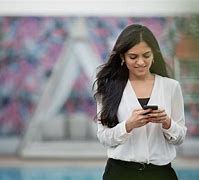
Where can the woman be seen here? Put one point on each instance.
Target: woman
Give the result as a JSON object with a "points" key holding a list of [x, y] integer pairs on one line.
{"points": [[141, 142]]}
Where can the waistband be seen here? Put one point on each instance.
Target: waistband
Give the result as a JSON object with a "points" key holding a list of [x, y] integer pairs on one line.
{"points": [[137, 165]]}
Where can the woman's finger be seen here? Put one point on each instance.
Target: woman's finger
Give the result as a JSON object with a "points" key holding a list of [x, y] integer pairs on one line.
{"points": [[145, 112], [158, 120]]}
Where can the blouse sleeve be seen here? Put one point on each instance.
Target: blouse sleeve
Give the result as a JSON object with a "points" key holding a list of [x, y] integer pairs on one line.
{"points": [[176, 133], [111, 136]]}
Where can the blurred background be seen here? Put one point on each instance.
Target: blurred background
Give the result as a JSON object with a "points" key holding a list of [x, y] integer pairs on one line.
{"points": [[49, 51]]}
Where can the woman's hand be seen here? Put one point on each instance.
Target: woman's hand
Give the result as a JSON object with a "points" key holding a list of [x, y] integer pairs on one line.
{"points": [[138, 118], [160, 116]]}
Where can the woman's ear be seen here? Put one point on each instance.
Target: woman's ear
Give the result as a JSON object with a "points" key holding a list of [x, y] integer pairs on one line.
{"points": [[122, 58]]}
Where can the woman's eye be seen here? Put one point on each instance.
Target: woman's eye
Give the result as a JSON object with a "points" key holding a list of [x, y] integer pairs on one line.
{"points": [[132, 58], [148, 56]]}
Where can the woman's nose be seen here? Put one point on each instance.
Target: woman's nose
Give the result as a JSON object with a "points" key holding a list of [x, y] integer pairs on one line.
{"points": [[140, 61]]}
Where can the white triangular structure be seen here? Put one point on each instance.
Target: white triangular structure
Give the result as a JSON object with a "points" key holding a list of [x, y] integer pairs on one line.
{"points": [[76, 52]]}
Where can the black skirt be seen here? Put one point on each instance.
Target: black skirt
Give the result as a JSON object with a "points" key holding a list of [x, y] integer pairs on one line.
{"points": [[124, 170]]}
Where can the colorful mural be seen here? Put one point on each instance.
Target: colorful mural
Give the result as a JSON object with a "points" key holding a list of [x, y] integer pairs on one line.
{"points": [[31, 46]]}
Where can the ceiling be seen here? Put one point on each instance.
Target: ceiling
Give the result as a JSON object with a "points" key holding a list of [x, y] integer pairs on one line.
{"points": [[98, 7]]}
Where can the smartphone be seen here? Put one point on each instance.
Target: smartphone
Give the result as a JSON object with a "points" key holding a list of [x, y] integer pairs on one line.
{"points": [[153, 107]]}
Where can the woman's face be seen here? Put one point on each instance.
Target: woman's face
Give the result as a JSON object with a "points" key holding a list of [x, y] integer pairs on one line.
{"points": [[138, 59]]}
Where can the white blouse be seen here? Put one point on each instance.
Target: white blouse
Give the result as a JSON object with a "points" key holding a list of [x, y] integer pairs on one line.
{"points": [[150, 143]]}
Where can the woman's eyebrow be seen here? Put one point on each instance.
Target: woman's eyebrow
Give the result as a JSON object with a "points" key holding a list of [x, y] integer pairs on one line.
{"points": [[134, 54], [147, 52]]}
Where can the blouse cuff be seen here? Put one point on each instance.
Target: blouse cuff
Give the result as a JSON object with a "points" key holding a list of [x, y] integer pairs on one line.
{"points": [[171, 132]]}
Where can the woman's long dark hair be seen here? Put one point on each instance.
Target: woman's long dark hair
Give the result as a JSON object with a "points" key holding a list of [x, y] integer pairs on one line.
{"points": [[111, 78]]}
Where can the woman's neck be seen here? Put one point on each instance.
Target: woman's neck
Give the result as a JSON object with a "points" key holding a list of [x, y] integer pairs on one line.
{"points": [[141, 78]]}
